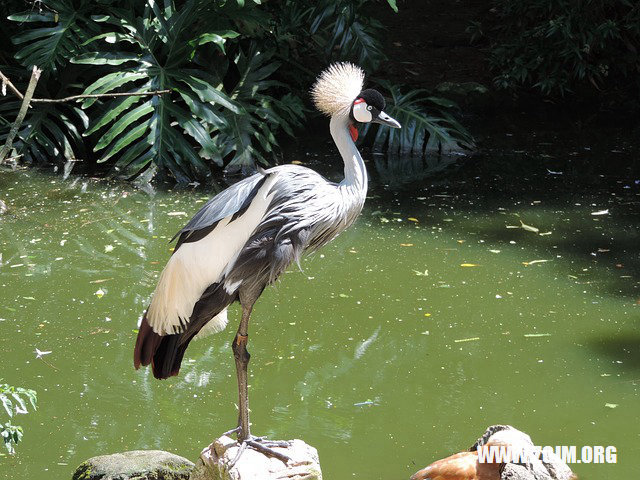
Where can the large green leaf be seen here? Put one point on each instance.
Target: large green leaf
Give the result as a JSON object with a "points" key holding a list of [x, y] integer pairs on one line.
{"points": [[50, 47], [245, 136], [171, 131]]}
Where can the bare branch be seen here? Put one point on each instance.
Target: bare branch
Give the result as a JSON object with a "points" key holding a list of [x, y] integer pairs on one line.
{"points": [[97, 95], [12, 87], [35, 76]]}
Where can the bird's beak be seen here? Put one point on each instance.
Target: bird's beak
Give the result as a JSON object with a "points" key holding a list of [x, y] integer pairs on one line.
{"points": [[384, 119]]}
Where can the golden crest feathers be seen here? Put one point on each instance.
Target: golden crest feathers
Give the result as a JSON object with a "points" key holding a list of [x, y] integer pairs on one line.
{"points": [[337, 87]]}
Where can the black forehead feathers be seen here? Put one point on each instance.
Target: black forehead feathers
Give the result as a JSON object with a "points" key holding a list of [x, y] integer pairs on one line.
{"points": [[373, 98]]}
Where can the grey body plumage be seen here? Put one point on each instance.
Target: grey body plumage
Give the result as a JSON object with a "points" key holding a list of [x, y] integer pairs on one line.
{"points": [[246, 236], [305, 213], [303, 200]]}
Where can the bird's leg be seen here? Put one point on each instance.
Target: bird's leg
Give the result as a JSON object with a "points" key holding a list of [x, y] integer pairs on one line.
{"points": [[242, 357]]}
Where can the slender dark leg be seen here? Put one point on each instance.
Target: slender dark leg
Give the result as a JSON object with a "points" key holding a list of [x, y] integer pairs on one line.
{"points": [[242, 357]]}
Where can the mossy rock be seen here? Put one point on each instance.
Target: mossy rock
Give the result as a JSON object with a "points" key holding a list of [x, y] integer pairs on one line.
{"points": [[135, 465]]}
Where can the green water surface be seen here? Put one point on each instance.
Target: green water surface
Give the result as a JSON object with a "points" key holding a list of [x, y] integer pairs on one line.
{"points": [[397, 344]]}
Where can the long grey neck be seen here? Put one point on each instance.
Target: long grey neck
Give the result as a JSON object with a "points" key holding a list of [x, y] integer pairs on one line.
{"points": [[355, 173]]}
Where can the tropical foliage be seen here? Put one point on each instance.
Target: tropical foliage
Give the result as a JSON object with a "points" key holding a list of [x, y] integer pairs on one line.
{"points": [[14, 400], [564, 46], [220, 81]]}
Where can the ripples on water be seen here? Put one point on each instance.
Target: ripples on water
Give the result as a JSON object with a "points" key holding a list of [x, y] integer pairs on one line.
{"points": [[396, 345]]}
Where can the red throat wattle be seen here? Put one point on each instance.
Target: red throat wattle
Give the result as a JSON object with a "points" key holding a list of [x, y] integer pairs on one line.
{"points": [[353, 131]]}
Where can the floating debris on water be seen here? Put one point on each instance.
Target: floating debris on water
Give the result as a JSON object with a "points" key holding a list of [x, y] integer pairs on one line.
{"points": [[366, 403], [40, 353], [472, 339], [533, 262], [529, 228]]}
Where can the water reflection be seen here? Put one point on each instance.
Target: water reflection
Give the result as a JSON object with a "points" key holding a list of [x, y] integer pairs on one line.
{"points": [[397, 171], [412, 332]]}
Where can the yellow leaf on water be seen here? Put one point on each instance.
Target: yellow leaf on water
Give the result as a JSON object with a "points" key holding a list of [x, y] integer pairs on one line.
{"points": [[469, 265], [411, 219], [533, 262], [529, 228], [472, 339]]}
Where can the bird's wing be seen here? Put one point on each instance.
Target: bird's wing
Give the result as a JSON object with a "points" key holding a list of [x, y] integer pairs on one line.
{"points": [[231, 201], [461, 466], [206, 246]]}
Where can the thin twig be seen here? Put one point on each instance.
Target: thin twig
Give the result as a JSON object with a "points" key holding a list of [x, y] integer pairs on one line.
{"points": [[47, 363], [35, 76], [269, 452], [12, 87], [98, 95]]}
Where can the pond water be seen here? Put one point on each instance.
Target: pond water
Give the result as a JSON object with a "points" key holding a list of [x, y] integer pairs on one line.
{"points": [[397, 344]]}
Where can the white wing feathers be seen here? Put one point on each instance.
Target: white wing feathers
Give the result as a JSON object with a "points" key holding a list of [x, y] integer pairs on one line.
{"points": [[196, 265]]}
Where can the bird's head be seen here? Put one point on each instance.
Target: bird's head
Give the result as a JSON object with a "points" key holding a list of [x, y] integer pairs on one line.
{"points": [[338, 91]]}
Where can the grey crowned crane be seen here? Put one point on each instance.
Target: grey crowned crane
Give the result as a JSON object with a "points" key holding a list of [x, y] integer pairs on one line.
{"points": [[247, 235]]}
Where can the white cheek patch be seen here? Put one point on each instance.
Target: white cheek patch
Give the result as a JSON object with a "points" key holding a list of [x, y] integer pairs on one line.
{"points": [[360, 112]]}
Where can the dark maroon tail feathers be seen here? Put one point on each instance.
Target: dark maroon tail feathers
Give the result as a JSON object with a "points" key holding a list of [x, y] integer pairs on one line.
{"points": [[146, 344], [163, 352]]}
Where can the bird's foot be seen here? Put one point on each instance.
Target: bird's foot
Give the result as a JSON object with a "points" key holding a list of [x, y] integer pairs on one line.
{"points": [[263, 446]]}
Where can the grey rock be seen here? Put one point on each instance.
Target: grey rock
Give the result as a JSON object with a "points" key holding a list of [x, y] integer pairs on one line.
{"points": [[135, 465], [252, 465]]}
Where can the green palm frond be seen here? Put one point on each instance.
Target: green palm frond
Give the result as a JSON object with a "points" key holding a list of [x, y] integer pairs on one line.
{"points": [[341, 27], [59, 34], [246, 135], [168, 131]]}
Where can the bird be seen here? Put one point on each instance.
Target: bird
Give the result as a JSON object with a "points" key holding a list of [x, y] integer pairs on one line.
{"points": [[499, 446], [243, 238], [460, 466], [465, 465]]}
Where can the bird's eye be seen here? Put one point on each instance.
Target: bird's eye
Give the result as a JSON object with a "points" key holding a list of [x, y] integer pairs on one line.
{"points": [[369, 107]]}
